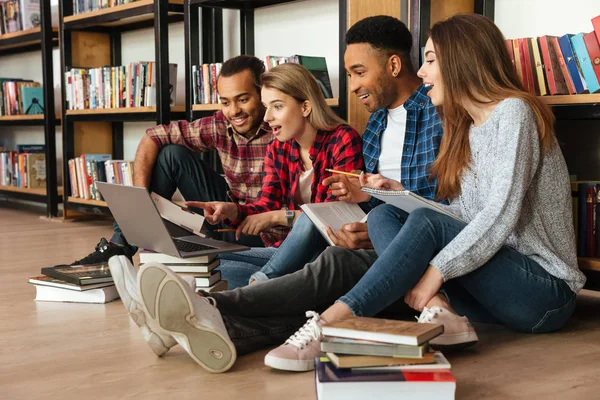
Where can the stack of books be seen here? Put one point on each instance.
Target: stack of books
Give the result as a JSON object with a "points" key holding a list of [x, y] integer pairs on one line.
{"points": [[382, 359], [202, 268], [76, 284]]}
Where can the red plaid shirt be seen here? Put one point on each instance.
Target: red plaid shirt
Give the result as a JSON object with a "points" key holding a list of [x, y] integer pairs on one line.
{"points": [[242, 158], [339, 149]]}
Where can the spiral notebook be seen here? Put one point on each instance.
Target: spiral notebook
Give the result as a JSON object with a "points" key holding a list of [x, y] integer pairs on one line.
{"points": [[406, 200]]}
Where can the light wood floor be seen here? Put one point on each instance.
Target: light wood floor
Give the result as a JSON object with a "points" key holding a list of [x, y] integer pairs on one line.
{"points": [[78, 351]]}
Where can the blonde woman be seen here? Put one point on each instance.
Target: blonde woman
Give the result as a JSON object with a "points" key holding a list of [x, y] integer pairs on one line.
{"points": [[310, 139]]}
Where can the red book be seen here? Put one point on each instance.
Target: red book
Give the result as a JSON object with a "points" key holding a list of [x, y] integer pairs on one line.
{"points": [[562, 63], [518, 62], [596, 25], [593, 48], [527, 64], [554, 77]]}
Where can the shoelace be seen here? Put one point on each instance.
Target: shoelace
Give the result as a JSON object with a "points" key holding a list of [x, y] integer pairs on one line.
{"points": [[309, 332], [428, 314]]}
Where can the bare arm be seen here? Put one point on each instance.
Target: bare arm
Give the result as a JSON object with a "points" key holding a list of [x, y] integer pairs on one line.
{"points": [[145, 157]]}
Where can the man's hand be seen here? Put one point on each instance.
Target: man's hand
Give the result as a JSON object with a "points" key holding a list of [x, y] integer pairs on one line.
{"points": [[428, 286], [346, 188], [255, 224], [351, 236], [216, 211], [379, 181]]}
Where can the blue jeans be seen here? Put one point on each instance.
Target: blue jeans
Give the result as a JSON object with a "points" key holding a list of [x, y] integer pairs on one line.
{"points": [[236, 268], [510, 289], [303, 244]]}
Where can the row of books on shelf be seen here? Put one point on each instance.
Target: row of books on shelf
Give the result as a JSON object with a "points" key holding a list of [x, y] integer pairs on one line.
{"points": [[83, 6], [19, 15], [20, 96], [24, 168], [132, 85], [554, 65], [382, 359], [94, 283], [316, 65], [586, 217], [87, 169]]}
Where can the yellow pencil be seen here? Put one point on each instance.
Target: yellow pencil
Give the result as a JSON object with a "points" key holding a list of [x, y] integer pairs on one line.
{"points": [[335, 171], [225, 230]]}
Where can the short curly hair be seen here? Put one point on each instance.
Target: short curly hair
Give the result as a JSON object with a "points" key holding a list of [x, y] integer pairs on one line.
{"points": [[385, 33], [241, 63]]}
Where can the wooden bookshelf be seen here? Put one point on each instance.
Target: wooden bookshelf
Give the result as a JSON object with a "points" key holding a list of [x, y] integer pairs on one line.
{"points": [[588, 263], [571, 99], [27, 38], [216, 107], [124, 110], [37, 192], [97, 203], [35, 117]]}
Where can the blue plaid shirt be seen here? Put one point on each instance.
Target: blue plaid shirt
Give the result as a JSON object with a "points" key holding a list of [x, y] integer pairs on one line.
{"points": [[421, 144]]}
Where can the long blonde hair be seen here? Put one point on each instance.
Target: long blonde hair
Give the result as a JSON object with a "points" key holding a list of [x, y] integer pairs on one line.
{"points": [[473, 61], [297, 82]]}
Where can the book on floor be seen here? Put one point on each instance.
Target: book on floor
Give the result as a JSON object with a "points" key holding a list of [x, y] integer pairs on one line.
{"points": [[98, 295], [147, 256], [44, 280], [370, 348], [354, 361], [205, 280], [193, 267], [219, 286], [383, 330], [344, 383], [406, 200], [333, 214], [81, 275], [439, 363]]}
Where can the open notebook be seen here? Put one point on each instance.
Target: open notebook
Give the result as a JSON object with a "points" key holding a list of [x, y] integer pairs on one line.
{"points": [[406, 200]]}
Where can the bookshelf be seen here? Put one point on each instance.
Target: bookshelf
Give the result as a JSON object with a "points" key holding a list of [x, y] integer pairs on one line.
{"points": [[41, 39], [91, 40]]}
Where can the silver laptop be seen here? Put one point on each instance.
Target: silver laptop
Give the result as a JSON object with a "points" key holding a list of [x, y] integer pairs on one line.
{"points": [[143, 226]]}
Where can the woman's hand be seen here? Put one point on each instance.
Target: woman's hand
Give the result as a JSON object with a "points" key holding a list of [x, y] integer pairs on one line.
{"points": [[255, 224], [379, 181], [346, 188], [428, 286], [216, 211]]}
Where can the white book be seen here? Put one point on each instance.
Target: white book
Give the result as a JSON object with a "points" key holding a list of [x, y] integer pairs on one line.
{"points": [[195, 268], [406, 200], [100, 295], [147, 256], [178, 215], [203, 282], [333, 214], [30, 14]]}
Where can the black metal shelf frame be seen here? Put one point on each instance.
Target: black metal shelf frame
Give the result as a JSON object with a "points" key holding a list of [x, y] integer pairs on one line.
{"points": [[160, 10], [48, 39]]}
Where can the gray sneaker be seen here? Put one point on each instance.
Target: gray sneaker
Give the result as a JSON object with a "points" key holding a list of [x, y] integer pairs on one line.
{"points": [[299, 351], [174, 309], [125, 278]]}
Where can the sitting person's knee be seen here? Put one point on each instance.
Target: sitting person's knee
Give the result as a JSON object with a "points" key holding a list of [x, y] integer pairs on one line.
{"points": [[172, 153]]}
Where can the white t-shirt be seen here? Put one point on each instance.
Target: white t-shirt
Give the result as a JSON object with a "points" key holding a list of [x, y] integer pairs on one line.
{"points": [[392, 144], [304, 190]]}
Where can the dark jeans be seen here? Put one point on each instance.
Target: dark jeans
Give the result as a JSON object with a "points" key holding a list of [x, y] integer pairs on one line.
{"points": [[178, 167], [268, 312], [510, 289]]}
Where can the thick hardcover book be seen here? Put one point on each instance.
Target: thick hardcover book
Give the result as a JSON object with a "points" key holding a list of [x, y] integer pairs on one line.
{"points": [[384, 330], [98, 295], [345, 383], [358, 361], [405, 200], [196, 268], [205, 280], [81, 275], [584, 63], [567, 52], [554, 76], [333, 214], [562, 63], [370, 348], [36, 170], [147, 256], [44, 280], [593, 48], [596, 25], [527, 65], [538, 68]]}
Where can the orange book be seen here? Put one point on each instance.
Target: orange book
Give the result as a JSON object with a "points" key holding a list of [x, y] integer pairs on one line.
{"points": [[562, 63], [356, 361], [518, 61], [596, 25], [554, 77]]}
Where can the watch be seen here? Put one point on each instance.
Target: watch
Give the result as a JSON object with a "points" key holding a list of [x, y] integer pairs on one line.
{"points": [[289, 215]]}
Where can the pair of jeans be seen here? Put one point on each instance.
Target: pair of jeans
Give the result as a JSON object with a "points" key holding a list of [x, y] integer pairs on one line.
{"points": [[236, 268], [510, 289], [178, 167], [302, 245], [268, 312]]}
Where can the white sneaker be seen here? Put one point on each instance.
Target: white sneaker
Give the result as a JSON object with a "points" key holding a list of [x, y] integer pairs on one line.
{"points": [[125, 278], [458, 331], [174, 309], [299, 351]]}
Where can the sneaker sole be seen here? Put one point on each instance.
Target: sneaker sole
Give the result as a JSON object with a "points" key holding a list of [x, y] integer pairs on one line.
{"points": [[166, 301], [289, 365], [456, 341], [135, 310]]}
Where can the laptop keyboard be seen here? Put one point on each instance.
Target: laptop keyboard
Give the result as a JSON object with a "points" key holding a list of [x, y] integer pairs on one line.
{"points": [[188, 247]]}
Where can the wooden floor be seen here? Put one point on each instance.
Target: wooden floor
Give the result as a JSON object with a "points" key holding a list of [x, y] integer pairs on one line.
{"points": [[78, 351]]}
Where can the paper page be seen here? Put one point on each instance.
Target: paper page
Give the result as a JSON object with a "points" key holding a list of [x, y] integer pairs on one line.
{"points": [[334, 214]]}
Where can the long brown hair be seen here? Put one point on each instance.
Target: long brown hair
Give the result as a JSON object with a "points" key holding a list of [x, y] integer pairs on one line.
{"points": [[297, 82], [474, 64]]}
